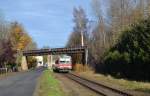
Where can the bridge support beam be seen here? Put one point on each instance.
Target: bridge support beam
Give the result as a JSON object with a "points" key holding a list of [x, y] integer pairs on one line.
{"points": [[24, 64], [86, 56], [49, 61]]}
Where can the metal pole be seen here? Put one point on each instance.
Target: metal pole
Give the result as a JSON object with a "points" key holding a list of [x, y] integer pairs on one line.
{"points": [[86, 56], [51, 60], [82, 43]]}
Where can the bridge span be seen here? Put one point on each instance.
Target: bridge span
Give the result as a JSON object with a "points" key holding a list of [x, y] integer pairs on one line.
{"points": [[54, 51]]}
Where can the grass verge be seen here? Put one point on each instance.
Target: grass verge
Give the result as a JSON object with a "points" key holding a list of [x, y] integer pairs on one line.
{"points": [[48, 85]]}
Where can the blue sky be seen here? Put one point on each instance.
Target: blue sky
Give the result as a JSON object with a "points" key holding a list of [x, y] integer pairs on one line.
{"points": [[49, 22]]}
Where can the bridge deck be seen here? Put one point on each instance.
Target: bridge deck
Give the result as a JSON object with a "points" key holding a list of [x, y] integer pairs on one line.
{"points": [[54, 51]]}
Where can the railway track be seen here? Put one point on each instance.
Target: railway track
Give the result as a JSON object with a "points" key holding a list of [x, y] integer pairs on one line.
{"points": [[97, 87]]}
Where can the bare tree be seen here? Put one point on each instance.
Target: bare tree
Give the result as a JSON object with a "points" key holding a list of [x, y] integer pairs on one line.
{"points": [[96, 5], [80, 32], [147, 8], [98, 38], [80, 21], [119, 14], [6, 53]]}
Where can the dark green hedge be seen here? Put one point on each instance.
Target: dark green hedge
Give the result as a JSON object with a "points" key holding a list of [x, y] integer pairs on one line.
{"points": [[130, 57]]}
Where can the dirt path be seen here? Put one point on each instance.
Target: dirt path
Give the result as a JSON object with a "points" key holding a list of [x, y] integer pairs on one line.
{"points": [[72, 88]]}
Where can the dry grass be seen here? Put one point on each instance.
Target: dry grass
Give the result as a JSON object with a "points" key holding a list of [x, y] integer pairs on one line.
{"points": [[121, 83], [81, 68]]}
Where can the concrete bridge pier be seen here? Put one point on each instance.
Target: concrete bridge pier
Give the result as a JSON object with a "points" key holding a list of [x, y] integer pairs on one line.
{"points": [[24, 64], [49, 61]]}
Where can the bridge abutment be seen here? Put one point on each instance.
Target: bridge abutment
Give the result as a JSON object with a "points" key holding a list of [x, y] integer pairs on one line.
{"points": [[24, 64], [49, 61]]}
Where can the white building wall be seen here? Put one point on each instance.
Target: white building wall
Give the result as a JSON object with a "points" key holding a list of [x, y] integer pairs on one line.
{"points": [[39, 61]]}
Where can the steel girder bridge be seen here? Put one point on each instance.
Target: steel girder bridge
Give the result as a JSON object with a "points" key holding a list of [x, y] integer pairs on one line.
{"points": [[55, 51]]}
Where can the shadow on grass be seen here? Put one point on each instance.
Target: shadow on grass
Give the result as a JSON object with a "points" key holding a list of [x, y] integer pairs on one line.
{"points": [[143, 90]]}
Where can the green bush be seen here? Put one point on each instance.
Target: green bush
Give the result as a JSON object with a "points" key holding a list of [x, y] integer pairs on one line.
{"points": [[130, 56]]}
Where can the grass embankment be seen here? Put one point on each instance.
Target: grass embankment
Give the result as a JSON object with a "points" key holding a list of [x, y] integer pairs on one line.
{"points": [[125, 84], [48, 85]]}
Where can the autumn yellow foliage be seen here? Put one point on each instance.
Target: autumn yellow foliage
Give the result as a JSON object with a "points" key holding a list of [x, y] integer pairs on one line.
{"points": [[19, 37]]}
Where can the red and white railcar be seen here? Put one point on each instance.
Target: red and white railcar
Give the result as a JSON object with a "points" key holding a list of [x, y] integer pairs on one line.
{"points": [[63, 63]]}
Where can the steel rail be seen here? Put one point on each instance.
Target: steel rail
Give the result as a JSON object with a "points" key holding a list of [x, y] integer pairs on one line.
{"points": [[97, 87]]}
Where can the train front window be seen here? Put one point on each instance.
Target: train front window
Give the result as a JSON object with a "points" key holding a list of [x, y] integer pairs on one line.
{"points": [[67, 62], [64, 62]]}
